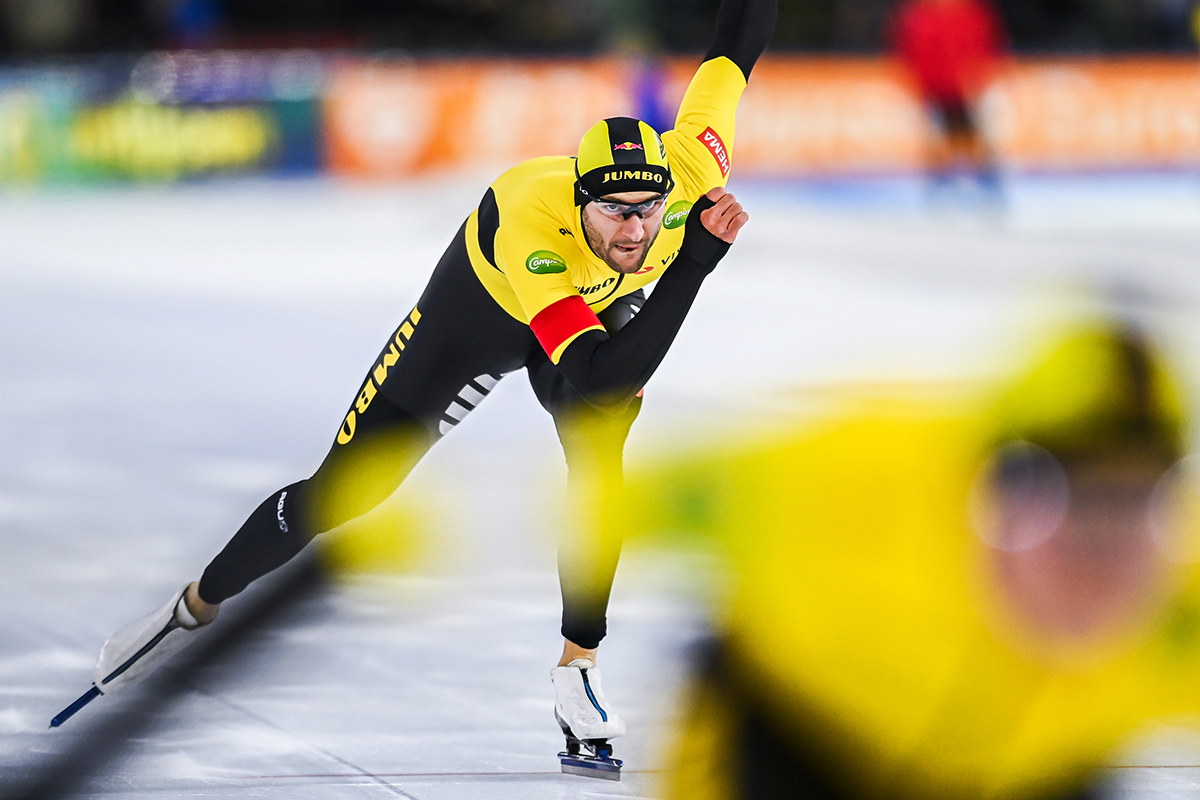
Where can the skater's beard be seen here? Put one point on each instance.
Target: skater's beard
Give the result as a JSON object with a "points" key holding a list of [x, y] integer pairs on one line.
{"points": [[621, 252]]}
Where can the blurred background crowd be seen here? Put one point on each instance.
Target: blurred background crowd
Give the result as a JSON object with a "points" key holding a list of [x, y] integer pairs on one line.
{"points": [[167, 89], [37, 27]]}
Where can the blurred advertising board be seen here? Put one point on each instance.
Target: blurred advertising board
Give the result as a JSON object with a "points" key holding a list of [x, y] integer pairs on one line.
{"points": [[805, 116], [167, 116], [161, 116], [799, 116], [1097, 114], [393, 119]]}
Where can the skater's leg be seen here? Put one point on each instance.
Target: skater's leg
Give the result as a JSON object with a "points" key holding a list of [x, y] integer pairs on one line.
{"points": [[354, 477], [587, 562], [357, 475], [593, 443], [446, 355], [590, 550], [455, 339]]}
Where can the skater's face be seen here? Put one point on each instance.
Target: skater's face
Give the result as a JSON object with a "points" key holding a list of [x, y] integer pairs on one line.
{"points": [[621, 241], [1080, 550]]}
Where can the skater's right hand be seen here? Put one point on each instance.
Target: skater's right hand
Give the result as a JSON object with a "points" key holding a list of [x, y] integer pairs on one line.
{"points": [[726, 217], [711, 227]]}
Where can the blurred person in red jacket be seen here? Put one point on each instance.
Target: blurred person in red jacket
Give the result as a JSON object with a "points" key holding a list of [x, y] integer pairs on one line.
{"points": [[951, 49]]}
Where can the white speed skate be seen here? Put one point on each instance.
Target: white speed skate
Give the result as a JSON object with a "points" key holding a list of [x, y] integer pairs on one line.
{"points": [[587, 720], [136, 650], [133, 652]]}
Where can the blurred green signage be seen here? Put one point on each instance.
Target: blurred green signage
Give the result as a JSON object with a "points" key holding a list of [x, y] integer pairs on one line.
{"points": [[161, 117]]}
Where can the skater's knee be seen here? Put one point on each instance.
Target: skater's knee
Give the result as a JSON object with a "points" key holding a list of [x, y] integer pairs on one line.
{"points": [[588, 435], [362, 472]]}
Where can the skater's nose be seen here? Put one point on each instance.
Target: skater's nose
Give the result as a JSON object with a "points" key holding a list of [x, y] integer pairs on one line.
{"points": [[633, 228]]}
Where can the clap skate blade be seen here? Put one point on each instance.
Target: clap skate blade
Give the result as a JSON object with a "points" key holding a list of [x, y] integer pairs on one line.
{"points": [[591, 758]]}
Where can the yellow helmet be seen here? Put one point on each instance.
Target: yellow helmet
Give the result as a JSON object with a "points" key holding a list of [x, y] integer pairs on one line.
{"points": [[1100, 390], [620, 154]]}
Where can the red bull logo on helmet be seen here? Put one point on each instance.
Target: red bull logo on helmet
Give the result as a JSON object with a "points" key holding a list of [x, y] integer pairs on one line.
{"points": [[628, 146]]}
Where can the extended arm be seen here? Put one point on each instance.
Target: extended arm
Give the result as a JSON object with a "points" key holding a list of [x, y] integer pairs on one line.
{"points": [[744, 27], [609, 371]]}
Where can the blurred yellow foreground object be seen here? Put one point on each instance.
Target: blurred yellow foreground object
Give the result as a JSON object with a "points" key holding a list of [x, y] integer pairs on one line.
{"points": [[926, 607], [393, 539]]}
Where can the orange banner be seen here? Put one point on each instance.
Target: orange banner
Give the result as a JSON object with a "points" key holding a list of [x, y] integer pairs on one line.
{"points": [[836, 115], [1097, 114], [392, 120], [799, 116]]}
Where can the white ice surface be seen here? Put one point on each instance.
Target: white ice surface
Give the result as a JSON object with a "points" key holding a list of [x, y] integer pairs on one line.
{"points": [[169, 356]]}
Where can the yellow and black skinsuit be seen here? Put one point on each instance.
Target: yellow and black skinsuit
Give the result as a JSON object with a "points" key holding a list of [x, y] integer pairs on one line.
{"points": [[519, 286], [868, 647]]}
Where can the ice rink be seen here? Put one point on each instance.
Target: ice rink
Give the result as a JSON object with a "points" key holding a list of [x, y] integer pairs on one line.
{"points": [[170, 356]]}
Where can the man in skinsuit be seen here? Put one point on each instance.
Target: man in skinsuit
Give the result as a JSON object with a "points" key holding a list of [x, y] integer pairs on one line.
{"points": [[546, 274]]}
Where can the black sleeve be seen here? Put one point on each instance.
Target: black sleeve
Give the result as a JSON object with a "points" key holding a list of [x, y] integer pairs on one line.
{"points": [[609, 371], [744, 28]]}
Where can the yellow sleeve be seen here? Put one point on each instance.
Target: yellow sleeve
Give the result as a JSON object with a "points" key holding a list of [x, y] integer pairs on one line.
{"points": [[701, 145], [535, 264], [536, 257]]}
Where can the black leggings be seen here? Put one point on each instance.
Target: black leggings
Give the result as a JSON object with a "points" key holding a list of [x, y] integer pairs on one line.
{"points": [[440, 363]]}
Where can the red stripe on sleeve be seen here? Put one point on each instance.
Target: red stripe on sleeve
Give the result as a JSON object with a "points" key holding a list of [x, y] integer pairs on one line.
{"points": [[561, 321]]}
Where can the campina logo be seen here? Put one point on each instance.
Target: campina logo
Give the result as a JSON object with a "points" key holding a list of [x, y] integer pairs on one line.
{"points": [[677, 214], [545, 262]]}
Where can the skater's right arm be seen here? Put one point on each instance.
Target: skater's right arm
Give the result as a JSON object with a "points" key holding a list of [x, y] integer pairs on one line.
{"points": [[609, 371], [744, 28], [700, 146]]}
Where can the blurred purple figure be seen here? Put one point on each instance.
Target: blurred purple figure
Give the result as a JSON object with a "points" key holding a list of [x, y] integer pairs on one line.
{"points": [[190, 23]]}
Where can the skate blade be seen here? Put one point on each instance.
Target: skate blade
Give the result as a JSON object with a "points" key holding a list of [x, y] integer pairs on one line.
{"points": [[608, 769], [68, 712]]}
